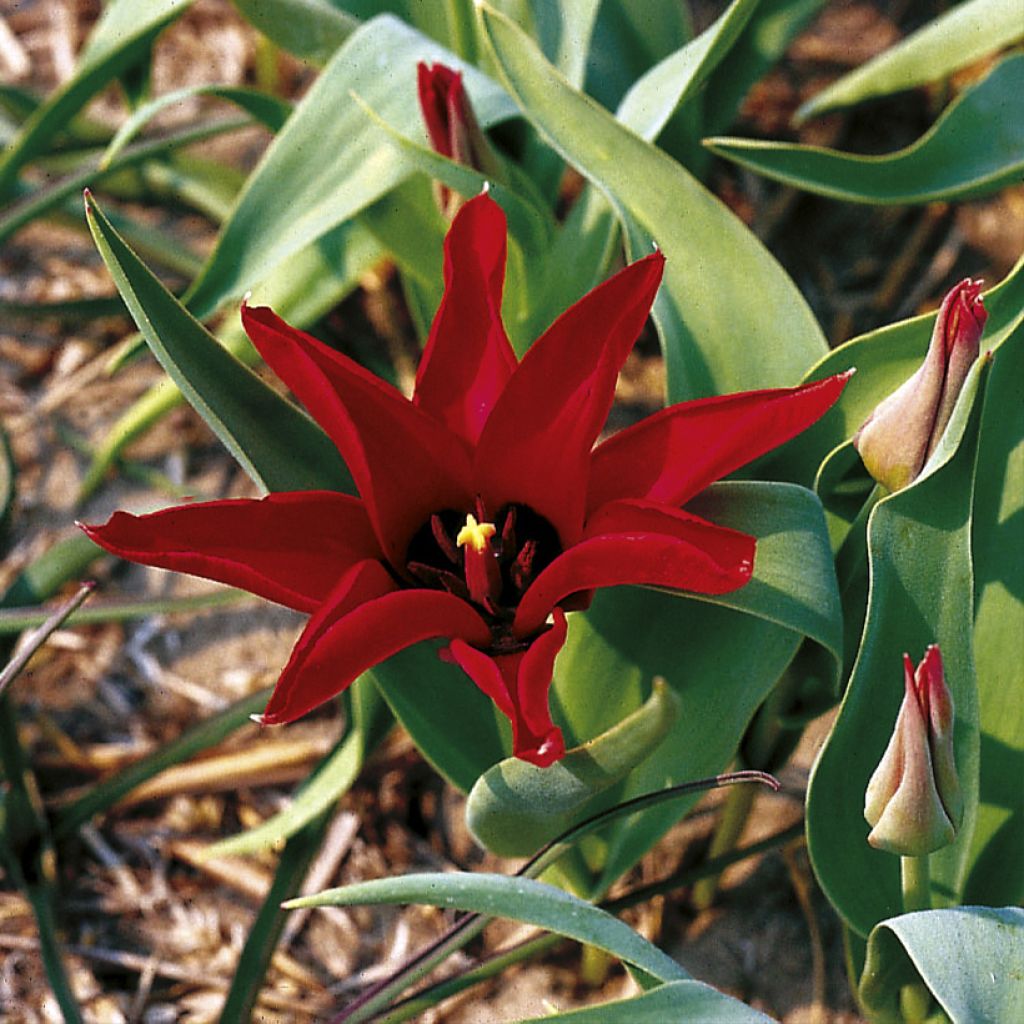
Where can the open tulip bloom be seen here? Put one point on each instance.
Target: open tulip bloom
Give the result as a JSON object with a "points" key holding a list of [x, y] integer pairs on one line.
{"points": [[485, 512]]}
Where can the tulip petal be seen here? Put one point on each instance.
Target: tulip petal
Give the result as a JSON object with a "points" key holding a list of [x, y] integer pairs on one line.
{"points": [[675, 454], [405, 464], [290, 547], [364, 622], [535, 447], [519, 684], [468, 359], [652, 547]]}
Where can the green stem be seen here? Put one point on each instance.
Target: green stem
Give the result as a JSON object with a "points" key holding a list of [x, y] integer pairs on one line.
{"points": [[731, 822], [915, 999]]}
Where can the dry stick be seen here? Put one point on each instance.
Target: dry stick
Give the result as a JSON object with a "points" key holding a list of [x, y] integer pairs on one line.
{"points": [[798, 880], [39, 637], [367, 1005]]}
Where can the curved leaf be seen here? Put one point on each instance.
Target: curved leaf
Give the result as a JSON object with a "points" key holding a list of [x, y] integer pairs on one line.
{"points": [[971, 959], [329, 161], [676, 1001], [721, 661], [953, 40], [516, 807], [268, 110], [997, 850], [121, 36], [920, 593], [720, 279], [655, 97], [975, 148], [518, 899], [277, 444]]}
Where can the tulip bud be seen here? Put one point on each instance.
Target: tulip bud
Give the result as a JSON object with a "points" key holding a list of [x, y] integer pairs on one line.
{"points": [[896, 440], [913, 801], [452, 126]]}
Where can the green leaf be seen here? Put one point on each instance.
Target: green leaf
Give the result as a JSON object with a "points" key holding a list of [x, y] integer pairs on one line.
{"points": [[997, 541], [516, 807], [676, 1001], [920, 593], [518, 899], [310, 29], [719, 279], [721, 661], [268, 110], [301, 291], [122, 35], [975, 148], [37, 202], [330, 161], [654, 98], [952, 41], [277, 444], [7, 492], [971, 959]]}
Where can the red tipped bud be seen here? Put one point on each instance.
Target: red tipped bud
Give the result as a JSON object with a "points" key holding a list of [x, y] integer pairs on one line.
{"points": [[896, 440], [913, 801], [452, 126]]}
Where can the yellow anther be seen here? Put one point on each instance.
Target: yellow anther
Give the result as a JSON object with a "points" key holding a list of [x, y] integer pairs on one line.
{"points": [[475, 534]]}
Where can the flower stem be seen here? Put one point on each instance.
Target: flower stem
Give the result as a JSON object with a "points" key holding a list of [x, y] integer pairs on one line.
{"points": [[915, 999], [731, 822]]}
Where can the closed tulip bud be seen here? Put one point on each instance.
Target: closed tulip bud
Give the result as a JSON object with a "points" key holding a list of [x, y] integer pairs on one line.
{"points": [[896, 440], [452, 127], [913, 801]]}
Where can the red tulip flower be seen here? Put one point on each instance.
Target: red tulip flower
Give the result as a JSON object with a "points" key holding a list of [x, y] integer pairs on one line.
{"points": [[485, 511]]}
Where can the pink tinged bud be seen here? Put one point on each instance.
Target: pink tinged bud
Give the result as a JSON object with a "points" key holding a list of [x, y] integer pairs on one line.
{"points": [[896, 440], [452, 125], [913, 801]]}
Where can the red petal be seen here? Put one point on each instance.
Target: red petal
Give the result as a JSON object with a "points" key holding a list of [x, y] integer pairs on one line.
{"points": [[363, 623], [405, 464], [535, 448], [652, 546], [675, 454], [290, 547], [518, 684], [468, 359]]}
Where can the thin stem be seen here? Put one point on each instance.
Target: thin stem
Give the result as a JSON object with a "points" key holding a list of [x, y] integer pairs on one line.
{"points": [[915, 999], [731, 822]]}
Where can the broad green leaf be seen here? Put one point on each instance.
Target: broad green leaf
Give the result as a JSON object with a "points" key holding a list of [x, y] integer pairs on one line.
{"points": [[997, 851], [971, 959], [516, 807], [277, 444], [972, 150], [330, 161], [563, 29], [884, 359], [955, 39], [721, 661], [454, 726], [726, 288], [676, 1001], [654, 98], [268, 110], [518, 899], [920, 593], [310, 29], [303, 290], [121, 36]]}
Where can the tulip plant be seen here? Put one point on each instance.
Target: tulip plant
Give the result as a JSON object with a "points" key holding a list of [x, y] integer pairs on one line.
{"points": [[574, 625]]}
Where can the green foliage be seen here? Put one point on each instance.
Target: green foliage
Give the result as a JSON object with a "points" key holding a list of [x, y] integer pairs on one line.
{"points": [[975, 148]]}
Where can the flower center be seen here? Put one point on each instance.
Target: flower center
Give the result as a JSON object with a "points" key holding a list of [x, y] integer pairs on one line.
{"points": [[487, 560]]}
